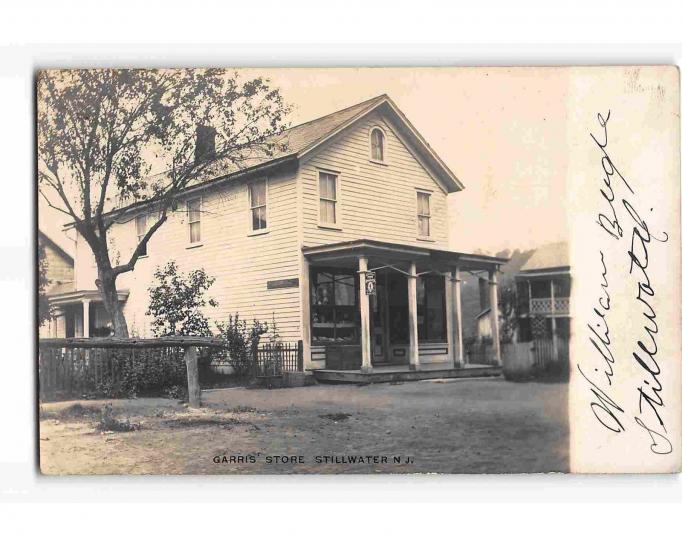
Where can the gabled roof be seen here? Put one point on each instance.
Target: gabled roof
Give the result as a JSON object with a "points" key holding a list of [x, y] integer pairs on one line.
{"points": [[57, 248], [301, 140], [550, 256]]}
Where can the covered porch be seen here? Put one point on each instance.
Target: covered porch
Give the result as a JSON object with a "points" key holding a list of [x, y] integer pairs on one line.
{"points": [[80, 314], [384, 308]]}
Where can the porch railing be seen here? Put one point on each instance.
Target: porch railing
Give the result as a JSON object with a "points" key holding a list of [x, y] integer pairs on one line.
{"points": [[543, 306]]}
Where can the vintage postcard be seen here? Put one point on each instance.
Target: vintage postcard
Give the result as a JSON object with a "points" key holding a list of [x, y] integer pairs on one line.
{"points": [[359, 270]]}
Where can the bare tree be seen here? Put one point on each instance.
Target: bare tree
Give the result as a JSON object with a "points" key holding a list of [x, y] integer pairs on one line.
{"points": [[100, 133]]}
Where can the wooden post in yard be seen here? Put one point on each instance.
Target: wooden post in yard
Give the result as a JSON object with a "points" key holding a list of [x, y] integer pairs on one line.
{"points": [[299, 355], [193, 387]]}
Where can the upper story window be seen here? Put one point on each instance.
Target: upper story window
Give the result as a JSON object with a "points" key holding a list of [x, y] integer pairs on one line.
{"points": [[328, 200], [141, 230], [377, 142], [258, 203], [194, 220], [423, 214]]}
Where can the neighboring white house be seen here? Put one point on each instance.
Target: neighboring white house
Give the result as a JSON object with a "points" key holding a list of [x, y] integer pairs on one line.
{"points": [[59, 271], [292, 236], [543, 289]]}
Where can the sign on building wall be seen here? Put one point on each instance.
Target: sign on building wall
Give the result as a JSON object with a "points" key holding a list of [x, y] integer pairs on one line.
{"points": [[283, 283]]}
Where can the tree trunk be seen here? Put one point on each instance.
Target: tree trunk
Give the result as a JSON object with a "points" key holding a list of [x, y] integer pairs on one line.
{"points": [[106, 283]]}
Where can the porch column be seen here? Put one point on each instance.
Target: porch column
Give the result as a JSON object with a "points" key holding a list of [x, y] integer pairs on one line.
{"points": [[412, 316], [494, 317], [365, 341], [86, 318], [304, 291], [53, 322], [459, 341], [555, 352], [450, 315]]}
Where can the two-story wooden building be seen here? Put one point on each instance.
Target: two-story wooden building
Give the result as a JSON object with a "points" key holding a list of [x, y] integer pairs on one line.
{"points": [[544, 291], [294, 237]]}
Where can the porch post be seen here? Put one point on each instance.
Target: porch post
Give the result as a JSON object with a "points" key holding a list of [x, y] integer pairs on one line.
{"points": [[54, 328], [450, 315], [304, 290], [86, 318], [412, 316], [555, 352], [494, 317], [365, 341], [459, 341]]}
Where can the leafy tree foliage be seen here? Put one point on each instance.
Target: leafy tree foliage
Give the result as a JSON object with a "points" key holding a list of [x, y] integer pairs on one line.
{"points": [[509, 313], [176, 302], [43, 282], [109, 140]]}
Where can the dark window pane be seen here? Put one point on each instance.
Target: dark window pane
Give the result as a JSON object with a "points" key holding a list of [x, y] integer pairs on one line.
{"points": [[377, 145], [258, 218]]}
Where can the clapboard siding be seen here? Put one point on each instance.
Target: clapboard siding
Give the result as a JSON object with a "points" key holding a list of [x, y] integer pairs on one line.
{"points": [[241, 263], [374, 201]]}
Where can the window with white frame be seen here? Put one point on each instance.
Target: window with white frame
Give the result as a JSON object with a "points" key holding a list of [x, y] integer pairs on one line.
{"points": [[377, 139], [194, 220], [258, 197], [423, 214], [141, 230], [328, 198]]}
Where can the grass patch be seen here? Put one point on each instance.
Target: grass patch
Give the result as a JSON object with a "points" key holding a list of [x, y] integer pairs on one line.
{"points": [[109, 423], [241, 409], [73, 412], [336, 417], [205, 422]]}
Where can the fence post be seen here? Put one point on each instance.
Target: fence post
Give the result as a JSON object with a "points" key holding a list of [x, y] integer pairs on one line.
{"points": [[193, 387], [299, 355], [254, 360]]}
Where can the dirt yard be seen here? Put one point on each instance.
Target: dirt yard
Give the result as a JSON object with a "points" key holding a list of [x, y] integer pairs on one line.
{"points": [[447, 426]]}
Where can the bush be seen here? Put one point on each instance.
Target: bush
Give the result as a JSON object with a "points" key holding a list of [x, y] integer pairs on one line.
{"points": [[142, 372], [241, 341], [176, 302], [109, 423]]}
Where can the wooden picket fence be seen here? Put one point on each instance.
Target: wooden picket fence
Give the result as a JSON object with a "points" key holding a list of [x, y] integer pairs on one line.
{"points": [[276, 359], [75, 367], [536, 358]]}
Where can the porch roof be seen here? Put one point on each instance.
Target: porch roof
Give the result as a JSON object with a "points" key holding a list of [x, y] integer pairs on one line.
{"points": [[346, 253], [78, 296]]}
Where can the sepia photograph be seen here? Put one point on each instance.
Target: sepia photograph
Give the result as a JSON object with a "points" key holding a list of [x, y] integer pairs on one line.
{"points": [[359, 273], [351, 271]]}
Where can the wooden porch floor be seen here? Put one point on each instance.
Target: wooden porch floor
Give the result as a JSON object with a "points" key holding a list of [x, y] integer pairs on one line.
{"points": [[395, 373]]}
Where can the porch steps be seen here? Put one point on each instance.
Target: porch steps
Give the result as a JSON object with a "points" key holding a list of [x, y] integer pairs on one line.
{"points": [[393, 376]]}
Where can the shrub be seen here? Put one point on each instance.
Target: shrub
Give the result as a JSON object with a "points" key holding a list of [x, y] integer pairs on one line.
{"points": [[176, 302], [107, 422], [142, 372], [240, 341]]}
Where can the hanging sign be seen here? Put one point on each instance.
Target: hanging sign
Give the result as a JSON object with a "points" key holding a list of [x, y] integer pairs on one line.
{"points": [[370, 283]]}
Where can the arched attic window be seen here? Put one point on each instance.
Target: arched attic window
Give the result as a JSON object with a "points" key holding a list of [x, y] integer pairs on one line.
{"points": [[377, 140]]}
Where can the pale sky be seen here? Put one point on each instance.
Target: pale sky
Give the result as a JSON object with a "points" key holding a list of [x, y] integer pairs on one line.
{"points": [[500, 130]]}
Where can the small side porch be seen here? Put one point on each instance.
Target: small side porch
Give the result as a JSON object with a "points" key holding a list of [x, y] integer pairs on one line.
{"points": [[391, 311], [80, 314]]}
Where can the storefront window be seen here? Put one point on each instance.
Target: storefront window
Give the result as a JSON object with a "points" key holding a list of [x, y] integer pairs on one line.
{"points": [[333, 306], [430, 309]]}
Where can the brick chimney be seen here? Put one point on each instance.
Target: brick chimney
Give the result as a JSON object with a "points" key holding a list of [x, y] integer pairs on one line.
{"points": [[205, 144]]}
